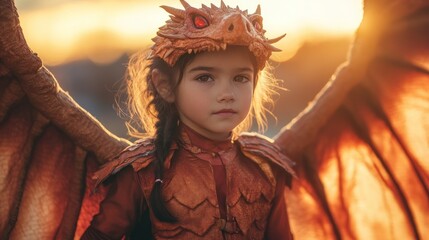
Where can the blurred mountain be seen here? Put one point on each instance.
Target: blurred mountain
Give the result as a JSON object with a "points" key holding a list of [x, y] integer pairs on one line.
{"points": [[94, 86], [303, 76]]}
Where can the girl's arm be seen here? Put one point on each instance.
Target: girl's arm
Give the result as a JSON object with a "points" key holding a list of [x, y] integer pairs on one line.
{"points": [[120, 209], [278, 222]]}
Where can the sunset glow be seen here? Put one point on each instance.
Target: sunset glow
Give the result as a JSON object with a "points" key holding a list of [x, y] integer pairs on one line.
{"points": [[104, 30]]}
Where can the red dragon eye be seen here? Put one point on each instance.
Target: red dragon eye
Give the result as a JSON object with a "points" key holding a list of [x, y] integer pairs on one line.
{"points": [[200, 22]]}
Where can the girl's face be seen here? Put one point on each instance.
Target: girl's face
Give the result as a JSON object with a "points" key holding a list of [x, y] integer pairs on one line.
{"points": [[216, 92]]}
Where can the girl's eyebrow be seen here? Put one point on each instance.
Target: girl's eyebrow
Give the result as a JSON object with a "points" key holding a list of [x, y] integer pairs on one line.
{"points": [[202, 68], [213, 69]]}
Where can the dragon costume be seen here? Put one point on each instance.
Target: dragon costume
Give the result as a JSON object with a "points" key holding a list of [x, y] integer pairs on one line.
{"points": [[361, 147], [217, 190]]}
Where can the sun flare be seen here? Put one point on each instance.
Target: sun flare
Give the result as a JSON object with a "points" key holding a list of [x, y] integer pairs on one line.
{"points": [[104, 30]]}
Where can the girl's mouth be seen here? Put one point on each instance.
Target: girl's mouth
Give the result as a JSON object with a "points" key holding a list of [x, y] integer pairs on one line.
{"points": [[225, 111]]}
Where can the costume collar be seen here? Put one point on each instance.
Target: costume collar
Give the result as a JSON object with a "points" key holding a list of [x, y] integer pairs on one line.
{"points": [[196, 143], [201, 147]]}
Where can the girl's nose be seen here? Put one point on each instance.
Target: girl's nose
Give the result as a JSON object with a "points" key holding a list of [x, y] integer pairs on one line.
{"points": [[226, 93], [226, 98]]}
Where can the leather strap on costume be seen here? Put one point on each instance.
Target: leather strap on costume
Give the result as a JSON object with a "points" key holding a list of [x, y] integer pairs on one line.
{"points": [[228, 226]]}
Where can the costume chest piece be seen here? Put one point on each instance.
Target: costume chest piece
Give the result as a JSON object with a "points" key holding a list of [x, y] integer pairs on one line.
{"points": [[189, 190]]}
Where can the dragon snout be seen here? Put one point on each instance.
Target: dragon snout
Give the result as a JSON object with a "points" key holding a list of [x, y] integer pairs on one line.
{"points": [[237, 27]]}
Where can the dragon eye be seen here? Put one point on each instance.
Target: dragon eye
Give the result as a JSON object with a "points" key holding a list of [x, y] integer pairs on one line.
{"points": [[200, 21]]}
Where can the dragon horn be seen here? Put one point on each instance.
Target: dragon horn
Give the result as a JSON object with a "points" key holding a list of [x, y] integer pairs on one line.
{"points": [[258, 10], [222, 5], [185, 4], [274, 49], [174, 11], [274, 40]]}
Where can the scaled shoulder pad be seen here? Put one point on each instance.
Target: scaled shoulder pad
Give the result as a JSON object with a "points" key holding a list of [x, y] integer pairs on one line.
{"points": [[263, 151], [139, 155]]}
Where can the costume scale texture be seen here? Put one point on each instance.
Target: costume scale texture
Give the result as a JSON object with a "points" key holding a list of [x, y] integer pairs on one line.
{"points": [[195, 30], [217, 190]]}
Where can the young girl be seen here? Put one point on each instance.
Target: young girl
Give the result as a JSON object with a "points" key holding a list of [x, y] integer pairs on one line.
{"points": [[196, 176]]}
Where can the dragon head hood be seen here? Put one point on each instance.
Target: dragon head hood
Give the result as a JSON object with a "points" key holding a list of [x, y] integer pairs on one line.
{"points": [[213, 28]]}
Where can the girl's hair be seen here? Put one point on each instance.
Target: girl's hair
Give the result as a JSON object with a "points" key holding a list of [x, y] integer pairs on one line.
{"points": [[151, 115]]}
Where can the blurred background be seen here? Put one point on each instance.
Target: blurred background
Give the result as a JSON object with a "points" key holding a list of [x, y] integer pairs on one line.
{"points": [[87, 44]]}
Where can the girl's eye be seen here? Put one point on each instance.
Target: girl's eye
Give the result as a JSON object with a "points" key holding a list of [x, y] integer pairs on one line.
{"points": [[241, 79], [204, 78]]}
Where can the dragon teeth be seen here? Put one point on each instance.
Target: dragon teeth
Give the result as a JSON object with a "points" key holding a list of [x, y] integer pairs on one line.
{"points": [[209, 49]]}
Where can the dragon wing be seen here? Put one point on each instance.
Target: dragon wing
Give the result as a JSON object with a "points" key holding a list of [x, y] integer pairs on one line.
{"points": [[362, 147], [48, 143]]}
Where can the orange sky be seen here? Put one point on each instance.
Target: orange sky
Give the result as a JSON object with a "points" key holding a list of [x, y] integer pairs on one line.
{"points": [[102, 30]]}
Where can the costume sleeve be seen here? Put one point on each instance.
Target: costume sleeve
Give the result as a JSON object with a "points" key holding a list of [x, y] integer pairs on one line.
{"points": [[124, 203], [278, 222]]}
